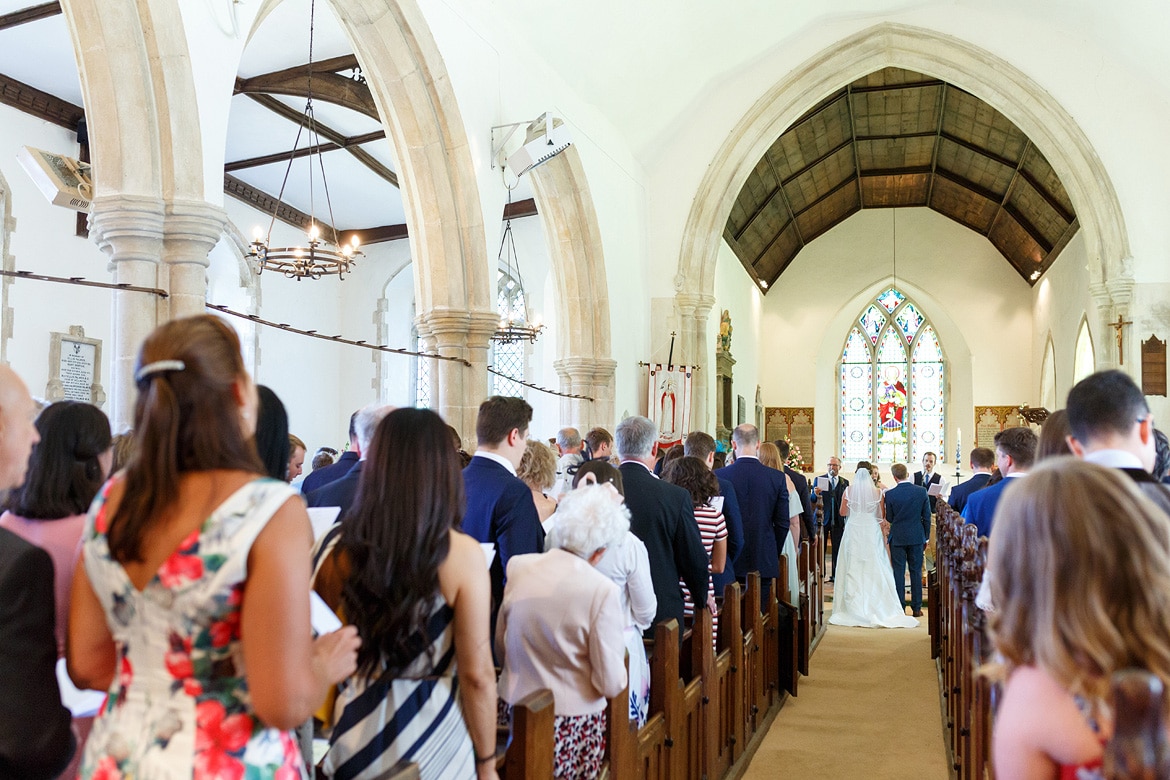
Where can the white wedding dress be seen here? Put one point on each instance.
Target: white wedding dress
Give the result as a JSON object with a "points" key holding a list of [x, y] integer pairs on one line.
{"points": [[864, 593]]}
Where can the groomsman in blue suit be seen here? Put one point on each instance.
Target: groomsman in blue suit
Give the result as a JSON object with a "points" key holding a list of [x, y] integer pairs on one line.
{"points": [[908, 513], [500, 509], [1015, 450], [763, 505], [982, 462]]}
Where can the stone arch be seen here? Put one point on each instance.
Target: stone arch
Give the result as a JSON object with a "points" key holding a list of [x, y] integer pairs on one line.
{"points": [[956, 61], [584, 363], [453, 290], [997, 82]]}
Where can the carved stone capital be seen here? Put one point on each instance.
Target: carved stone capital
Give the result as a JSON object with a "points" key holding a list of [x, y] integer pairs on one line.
{"points": [[1121, 291], [458, 328], [128, 227], [191, 229], [586, 370]]}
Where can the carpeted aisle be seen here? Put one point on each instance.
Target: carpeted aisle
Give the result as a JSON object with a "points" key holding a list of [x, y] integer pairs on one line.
{"points": [[868, 709]]}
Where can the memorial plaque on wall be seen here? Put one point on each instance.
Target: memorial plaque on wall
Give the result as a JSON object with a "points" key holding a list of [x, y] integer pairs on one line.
{"points": [[794, 422], [1154, 366], [990, 420], [75, 368]]}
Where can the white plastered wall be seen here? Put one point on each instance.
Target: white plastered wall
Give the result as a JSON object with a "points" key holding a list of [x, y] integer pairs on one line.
{"points": [[735, 292], [1060, 303], [44, 242]]}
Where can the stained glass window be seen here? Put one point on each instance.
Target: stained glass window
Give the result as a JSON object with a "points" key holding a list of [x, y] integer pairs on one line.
{"points": [[872, 322], [927, 386], [508, 359], [909, 320], [891, 299], [856, 398], [893, 388]]}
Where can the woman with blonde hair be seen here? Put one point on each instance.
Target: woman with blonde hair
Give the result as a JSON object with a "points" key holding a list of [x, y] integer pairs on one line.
{"points": [[538, 470], [770, 457], [1082, 567]]}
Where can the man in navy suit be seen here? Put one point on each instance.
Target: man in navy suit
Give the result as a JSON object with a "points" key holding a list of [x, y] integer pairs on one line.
{"points": [[342, 492], [1015, 449], [663, 517], [700, 445], [800, 482], [323, 476], [832, 520], [763, 505], [500, 509], [982, 462], [908, 513]]}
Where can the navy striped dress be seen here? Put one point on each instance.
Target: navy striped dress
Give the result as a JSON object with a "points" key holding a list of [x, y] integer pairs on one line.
{"points": [[414, 718]]}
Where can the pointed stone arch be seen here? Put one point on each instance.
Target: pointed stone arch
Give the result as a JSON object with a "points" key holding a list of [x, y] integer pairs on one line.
{"points": [[995, 81], [453, 288], [584, 363]]}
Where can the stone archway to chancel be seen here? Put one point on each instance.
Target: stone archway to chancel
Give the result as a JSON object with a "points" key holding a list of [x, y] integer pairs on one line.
{"points": [[454, 291], [957, 62]]}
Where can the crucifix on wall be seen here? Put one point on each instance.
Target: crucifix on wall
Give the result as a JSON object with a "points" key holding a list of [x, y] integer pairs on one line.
{"points": [[1121, 323]]}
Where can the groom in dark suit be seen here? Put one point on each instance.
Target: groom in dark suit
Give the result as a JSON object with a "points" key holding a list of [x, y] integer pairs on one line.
{"points": [[982, 462], [908, 513], [833, 521]]}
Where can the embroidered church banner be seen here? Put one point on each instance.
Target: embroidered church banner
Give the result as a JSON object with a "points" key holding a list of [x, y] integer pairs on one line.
{"points": [[669, 404]]}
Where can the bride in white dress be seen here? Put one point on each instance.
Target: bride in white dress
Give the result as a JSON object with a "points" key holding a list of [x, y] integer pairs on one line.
{"points": [[863, 583]]}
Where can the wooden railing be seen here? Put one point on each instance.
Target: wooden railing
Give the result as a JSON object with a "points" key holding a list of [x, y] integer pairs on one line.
{"points": [[709, 706], [959, 643]]}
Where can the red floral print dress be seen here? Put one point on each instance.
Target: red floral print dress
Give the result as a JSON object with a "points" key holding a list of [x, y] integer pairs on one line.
{"points": [[179, 706]]}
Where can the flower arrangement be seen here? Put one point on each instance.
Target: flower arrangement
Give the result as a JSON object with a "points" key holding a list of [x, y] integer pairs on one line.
{"points": [[795, 459]]}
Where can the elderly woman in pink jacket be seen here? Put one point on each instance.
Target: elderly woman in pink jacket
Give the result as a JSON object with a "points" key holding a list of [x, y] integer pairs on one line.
{"points": [[561, 627]]}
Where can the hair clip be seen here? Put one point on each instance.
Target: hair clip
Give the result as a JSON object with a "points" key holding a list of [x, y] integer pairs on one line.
{"points": [[157, 367]]}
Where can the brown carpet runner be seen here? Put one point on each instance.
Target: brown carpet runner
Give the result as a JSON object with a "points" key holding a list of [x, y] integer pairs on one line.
{"points": [[868, 709]]}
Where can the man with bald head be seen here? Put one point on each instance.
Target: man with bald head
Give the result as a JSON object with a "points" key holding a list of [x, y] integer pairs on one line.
{"points": [[35, 735]]}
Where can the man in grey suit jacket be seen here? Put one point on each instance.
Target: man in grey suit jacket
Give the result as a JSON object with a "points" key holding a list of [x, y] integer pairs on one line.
{"points": [[908, 513]]}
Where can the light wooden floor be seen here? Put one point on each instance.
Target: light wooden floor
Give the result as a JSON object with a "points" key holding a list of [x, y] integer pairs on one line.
{"points": [[868, 709]]}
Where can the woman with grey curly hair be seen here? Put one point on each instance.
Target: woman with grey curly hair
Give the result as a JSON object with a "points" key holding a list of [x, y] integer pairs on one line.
{"points": [[561, 627]]}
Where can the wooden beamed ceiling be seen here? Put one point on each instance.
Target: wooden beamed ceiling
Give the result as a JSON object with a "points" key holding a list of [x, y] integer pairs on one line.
{"points": [[55, 110], [901, 139]]}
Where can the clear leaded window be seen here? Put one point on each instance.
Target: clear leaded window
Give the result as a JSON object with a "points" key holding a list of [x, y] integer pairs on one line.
{"points": [[892, 384], [508, 359], [422, 375]]}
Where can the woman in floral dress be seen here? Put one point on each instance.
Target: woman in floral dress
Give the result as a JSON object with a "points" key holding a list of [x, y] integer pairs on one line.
{"points": [[190, 602]]}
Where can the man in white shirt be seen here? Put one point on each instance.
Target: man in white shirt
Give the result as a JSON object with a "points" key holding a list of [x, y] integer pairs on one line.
{"points": [[928, 476], [1111, 426]]}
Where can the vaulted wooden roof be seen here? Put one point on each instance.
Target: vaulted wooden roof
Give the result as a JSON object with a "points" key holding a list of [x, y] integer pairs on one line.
{"points": [[897, 138]]}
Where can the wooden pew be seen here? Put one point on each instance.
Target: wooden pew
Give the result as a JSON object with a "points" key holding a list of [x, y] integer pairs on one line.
{"points": [[531, 751], [708, 705]]}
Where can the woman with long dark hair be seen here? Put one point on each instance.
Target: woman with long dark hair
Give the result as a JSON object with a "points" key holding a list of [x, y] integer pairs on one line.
{"points": [[418, 592], [191, 599], [65, 471]]}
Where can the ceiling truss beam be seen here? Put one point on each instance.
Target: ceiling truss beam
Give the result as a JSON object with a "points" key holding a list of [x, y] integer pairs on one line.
{"points": [[42, 105], [304, 151], [30, 14], [329, 134], [328, 85]]}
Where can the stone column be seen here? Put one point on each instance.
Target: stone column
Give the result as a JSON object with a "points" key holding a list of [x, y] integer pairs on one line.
{"points": [[693, 309], [591, 377], [191, 229], [458, 389], [129, 229]]}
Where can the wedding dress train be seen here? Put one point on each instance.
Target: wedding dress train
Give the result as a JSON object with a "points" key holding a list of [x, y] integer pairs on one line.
{"points": [[863, 582]]}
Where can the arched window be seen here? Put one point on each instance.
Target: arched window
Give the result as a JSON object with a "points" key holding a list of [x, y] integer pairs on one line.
{"points": [[1085, 360], [892, 384], [508, 359], [1048, 377], [422, 373]]}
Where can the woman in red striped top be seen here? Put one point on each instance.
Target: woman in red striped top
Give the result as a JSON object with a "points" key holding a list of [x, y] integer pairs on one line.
{"points": [[693, 475]]}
